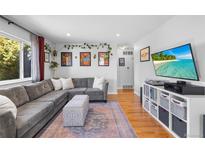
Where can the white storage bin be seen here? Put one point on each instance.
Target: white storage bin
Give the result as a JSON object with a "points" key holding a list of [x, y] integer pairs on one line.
{"points": [[164, 100], [153, 94], [154, 109], [146, 90], [179, 108], [146, 104]]}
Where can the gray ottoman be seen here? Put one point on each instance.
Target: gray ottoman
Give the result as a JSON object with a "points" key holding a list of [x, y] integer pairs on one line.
{"points": [[75, 111]]}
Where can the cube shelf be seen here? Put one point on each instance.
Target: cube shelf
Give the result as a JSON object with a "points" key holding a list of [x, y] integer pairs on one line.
{"points": [[181, 115]]}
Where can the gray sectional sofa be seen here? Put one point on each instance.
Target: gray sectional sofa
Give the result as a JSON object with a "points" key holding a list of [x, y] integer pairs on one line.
{"points": [[37, 103]]}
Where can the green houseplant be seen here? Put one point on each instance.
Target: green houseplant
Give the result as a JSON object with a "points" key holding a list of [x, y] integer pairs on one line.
{"points": [[53, 66]]}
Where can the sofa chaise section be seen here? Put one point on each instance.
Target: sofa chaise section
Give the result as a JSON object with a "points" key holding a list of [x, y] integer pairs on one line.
{"points": [[85, 86]]}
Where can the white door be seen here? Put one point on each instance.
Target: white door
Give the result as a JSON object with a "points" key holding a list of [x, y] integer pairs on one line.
{"points": [[126, 70]]}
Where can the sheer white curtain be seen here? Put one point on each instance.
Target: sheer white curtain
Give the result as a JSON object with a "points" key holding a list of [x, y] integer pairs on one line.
{"points": [[35, 58]]}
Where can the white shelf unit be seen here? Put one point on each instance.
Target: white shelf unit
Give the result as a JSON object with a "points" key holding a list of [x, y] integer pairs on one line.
{"points": [[181, 115]]}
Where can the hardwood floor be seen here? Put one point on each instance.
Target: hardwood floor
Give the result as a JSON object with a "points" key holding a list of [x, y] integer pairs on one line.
{"points": [[144, 125]]}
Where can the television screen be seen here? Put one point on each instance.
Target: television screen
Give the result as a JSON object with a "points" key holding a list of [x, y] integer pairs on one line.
{"points": [[177, 62]]}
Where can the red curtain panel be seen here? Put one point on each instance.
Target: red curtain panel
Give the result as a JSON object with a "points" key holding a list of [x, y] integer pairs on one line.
{"points": [[41, 56]]}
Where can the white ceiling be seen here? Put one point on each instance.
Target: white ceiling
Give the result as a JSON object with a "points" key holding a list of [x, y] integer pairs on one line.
{"points": [[90, 28]]}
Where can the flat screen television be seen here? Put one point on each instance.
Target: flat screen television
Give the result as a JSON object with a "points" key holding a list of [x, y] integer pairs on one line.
{"points": [[176, 62]]}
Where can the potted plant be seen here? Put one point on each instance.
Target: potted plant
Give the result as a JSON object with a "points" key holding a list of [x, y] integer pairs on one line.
{"points": [[54, 66]]}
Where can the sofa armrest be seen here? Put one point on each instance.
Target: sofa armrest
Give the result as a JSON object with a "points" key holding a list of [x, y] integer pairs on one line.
{"points": [[7, 125], [105, 89]]}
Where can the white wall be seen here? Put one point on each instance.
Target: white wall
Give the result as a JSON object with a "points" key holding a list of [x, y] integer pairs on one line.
{"points": [[177, 31], [109, 73]]}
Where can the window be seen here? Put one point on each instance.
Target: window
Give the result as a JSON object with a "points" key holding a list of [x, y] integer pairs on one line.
{"points": [[15, 59]]}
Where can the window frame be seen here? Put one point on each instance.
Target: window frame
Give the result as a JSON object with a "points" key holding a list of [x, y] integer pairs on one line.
{"points": [[21, 62]]}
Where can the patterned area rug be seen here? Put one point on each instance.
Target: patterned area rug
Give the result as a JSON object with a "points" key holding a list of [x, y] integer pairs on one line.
{"points": [[104, 120]]}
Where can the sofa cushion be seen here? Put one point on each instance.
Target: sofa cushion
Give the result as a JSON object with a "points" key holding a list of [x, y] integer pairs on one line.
{"points": [[38, 89], [50, 83], [80, 82], [67, 83], [57, 84], [90, 82], [76, 91], [30, 114], [18, 95], [55, 96], [99, 83], [95, 94]]}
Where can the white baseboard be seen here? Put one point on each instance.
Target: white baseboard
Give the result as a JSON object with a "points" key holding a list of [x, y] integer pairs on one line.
{"points": [[136, 93], [112, 92]]}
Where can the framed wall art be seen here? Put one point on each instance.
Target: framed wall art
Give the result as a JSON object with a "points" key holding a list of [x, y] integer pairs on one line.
{"points": [[66, 58], [85, 58], [145, 54], [103, 59]]}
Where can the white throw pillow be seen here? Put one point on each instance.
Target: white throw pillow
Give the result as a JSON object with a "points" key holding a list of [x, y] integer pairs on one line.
{"points": [[7, 105], [67, 83], [57, 84], [98, 83]]}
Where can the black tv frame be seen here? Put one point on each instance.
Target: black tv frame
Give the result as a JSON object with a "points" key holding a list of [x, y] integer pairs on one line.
{"points": [[177, 77]]}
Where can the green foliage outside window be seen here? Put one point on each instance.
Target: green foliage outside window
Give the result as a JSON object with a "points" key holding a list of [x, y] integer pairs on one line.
{"points": [[9, 59]]}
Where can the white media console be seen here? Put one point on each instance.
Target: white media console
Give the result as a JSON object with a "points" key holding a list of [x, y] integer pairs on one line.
{"points": [[181, 115]]}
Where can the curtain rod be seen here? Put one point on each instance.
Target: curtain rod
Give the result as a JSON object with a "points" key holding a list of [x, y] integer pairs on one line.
{"points": [[11, 22]]}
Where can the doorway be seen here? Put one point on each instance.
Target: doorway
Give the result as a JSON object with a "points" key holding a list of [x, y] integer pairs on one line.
{"points": [[125, 69]]}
